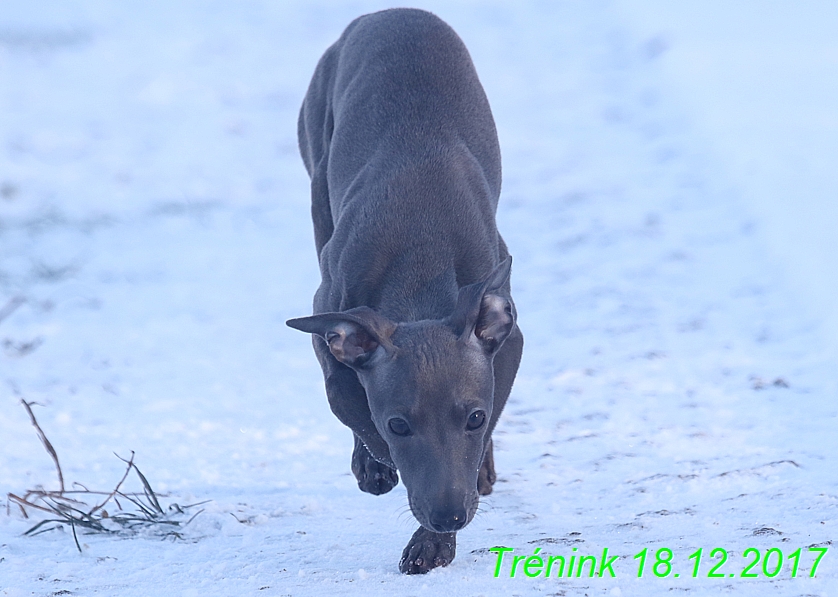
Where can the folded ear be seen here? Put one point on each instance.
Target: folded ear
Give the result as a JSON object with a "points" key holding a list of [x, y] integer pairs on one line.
{"points": [[353, 336], [483, 314]]}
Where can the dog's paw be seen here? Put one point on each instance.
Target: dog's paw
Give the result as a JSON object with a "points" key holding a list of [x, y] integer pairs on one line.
{"points": [[427, 550], [373, 477]]}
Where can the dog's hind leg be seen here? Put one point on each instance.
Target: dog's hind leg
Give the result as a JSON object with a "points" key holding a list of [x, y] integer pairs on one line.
{"points": [[321, 213], [314, 134], [373, 476], [427, 550]]}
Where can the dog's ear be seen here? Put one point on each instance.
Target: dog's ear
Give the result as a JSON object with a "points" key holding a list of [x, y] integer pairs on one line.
{"points": [[352, 336], [483, 314]]}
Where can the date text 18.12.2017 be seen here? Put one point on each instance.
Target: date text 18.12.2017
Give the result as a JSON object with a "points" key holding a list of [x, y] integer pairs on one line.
{"points": [[662, 563]]}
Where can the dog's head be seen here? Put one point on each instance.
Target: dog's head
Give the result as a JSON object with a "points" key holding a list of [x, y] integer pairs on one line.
{"points": [[430, 388]]}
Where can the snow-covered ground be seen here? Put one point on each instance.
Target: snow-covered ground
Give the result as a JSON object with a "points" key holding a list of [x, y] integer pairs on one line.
{"points": [[154, 216], [760, 80]]}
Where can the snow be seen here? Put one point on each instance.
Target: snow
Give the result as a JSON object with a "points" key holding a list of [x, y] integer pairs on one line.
{"points": [[761, 82], [154, 215]]}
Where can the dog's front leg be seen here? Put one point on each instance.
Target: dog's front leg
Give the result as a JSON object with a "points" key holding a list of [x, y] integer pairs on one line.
{"points": [[486, 476], [373, 477], [348, 402], [505, 367], [427, 550]]}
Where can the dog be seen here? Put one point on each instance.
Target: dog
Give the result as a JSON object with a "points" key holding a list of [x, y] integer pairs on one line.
{"points": [[414, 325]]}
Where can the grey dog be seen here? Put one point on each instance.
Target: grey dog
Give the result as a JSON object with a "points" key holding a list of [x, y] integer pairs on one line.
{"points": [[414, 325]]}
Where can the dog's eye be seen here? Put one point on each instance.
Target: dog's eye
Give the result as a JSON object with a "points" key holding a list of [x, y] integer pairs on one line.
{"points": [[399, 426], [476, 420]]}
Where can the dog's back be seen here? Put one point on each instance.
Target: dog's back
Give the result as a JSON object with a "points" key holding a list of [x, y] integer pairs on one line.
{"points": [[397, 135]]}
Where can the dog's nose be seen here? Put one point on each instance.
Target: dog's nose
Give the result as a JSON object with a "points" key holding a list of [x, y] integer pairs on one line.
{"points": [[448, 522]]}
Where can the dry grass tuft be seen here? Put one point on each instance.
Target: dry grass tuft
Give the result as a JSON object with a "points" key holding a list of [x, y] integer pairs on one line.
{"points": [[86, 510]]}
